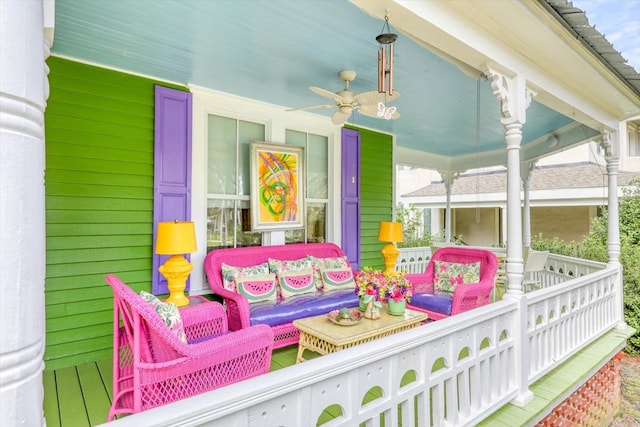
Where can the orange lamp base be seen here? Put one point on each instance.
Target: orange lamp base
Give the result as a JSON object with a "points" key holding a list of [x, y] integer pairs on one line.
{"points": [[176, 270]]}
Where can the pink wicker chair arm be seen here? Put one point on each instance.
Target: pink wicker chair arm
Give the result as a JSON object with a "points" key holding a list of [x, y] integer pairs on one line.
{"points": [[233, 344], [237, 309], [421, 283], [202, 320]]}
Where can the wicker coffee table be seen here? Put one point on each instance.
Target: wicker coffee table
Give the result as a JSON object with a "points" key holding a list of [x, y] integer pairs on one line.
{"points": [[321, 335]]}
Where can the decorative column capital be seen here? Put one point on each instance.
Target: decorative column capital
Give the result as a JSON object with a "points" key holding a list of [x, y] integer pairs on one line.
{"points": [[448, 178], [513, 95]]}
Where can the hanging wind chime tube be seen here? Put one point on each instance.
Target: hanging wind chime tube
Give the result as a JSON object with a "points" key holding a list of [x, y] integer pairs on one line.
{"points": [[385, 58]]}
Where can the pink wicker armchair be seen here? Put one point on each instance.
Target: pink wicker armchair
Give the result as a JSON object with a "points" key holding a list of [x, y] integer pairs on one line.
{"points": [[152, 366], [466, 296]]}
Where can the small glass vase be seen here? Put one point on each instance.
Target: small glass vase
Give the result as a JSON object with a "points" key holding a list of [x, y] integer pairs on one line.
{"points": [[396, 308]]}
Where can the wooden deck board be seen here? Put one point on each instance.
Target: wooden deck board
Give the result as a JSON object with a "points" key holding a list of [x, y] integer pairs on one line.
{"points": [[51, 399], [73, 411], [96, 396]]}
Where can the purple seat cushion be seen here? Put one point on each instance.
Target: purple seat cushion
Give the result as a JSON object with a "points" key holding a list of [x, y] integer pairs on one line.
{"points": [[438, 303], [300, 306]]}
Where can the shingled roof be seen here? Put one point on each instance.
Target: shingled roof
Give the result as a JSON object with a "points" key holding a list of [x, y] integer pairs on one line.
{"points": [[581, 175], [576, 21]]}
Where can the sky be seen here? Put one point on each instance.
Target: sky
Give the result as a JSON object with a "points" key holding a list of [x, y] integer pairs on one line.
{"points": [[619, 22]]}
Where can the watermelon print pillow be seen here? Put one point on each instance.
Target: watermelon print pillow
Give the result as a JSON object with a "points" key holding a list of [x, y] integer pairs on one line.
{"points": [[258, 288], [231, 273], [282, 266], [296, 282], [448, 275], [338, 278], [330, 263], [169, 313]]}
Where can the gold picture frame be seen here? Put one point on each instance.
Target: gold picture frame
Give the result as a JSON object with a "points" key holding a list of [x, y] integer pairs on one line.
{"points": [[277, 186]]}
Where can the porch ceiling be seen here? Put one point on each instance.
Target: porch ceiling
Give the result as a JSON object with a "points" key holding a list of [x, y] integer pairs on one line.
{"points": [[274, 50]]}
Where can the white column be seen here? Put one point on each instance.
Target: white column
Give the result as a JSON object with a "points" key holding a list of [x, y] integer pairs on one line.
{"points": [[514, 99], [23, 91], [526, 172], [610, 146], [448, 178]]}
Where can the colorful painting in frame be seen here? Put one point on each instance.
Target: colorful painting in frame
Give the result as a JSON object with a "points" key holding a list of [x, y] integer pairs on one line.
{"points": [[277, 186]]}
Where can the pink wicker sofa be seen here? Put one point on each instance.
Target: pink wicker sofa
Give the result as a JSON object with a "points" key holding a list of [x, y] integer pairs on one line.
{"points": [[466, 296], [279, 314], [152, 366]]}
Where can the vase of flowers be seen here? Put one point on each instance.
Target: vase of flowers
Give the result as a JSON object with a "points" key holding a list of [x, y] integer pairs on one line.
{"points": [[370, 285], [397, 292]]}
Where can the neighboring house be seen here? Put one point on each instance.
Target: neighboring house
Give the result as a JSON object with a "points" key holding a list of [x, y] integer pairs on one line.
{"points": [[565, 192], [91, 150]]}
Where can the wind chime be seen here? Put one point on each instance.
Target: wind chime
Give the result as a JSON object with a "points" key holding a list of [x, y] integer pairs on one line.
{"points": [[386, 39]]}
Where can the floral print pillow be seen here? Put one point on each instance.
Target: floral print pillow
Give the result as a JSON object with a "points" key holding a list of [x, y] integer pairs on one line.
{"points": [[448, 275], [326, 264], [282, 266], [231, 273], [169, 313]]}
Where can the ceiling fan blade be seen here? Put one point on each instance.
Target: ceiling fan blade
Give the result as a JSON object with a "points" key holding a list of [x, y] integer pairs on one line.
{"points": [[370, 110], [372, 97], [312, 107], [339, 117], [325, 93]]}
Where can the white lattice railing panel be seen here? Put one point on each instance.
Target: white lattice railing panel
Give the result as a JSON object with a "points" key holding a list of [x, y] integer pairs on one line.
{"points": [[563, 319]]}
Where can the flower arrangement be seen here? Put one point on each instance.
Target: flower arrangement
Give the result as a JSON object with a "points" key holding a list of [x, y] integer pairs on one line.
{"points": [[397, 288], [372, 283]]}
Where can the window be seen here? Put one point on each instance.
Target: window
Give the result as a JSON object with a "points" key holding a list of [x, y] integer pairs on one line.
{"points": [[317, 186], [228, 147]]}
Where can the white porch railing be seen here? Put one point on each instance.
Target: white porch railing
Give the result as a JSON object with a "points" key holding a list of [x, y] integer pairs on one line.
{"points": [[459, 370]]}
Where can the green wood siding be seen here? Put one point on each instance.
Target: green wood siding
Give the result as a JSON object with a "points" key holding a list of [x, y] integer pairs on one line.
{"points": [[376, 192], [99, 203]]}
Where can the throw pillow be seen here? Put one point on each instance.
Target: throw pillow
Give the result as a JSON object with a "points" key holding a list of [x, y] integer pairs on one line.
{"points": [[281, 266], [169, 313], [337, 278], [448, 275], [329, 263], [257, 288], [296, 282], [231, 273]]}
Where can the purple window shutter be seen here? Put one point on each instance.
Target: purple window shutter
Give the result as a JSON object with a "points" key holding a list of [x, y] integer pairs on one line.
{"points": [[172, 167], [351, 196]]}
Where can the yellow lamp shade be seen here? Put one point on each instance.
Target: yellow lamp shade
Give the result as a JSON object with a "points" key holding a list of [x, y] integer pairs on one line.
{"points": [[176, 237], [390, 232]]}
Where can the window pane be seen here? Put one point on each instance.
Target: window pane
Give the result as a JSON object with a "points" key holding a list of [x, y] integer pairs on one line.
{"points": [[224, 223], [317, 173], [293, 137], [245, 236], [221, 173], [316, 224], [220, 224], [247, 132], [294, 236]]}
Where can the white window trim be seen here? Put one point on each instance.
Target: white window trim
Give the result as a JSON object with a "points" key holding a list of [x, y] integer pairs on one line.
{"points": [[276, 120]]}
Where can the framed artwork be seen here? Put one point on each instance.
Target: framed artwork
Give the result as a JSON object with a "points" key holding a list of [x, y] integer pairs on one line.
{"points": [[277, 186]]}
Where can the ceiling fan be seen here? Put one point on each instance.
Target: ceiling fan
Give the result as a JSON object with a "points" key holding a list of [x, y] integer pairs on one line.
{"points": [[369, 103]]}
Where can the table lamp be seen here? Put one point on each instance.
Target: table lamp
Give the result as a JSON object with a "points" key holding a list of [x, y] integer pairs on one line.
{"points": [[176, 238], [390, 232]]}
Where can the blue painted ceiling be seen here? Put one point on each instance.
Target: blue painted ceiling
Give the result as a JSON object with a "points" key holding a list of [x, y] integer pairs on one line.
{"points": [[274, 50]]}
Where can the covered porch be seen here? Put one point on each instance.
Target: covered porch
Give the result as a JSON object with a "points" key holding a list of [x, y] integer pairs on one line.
{"points": [[497, 363], [464, 370]]}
